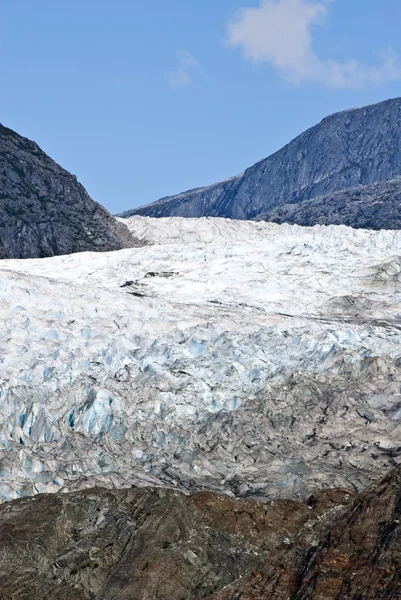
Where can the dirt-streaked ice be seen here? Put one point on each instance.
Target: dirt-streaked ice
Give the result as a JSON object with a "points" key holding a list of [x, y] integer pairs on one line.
{"points": [[247, 357]]}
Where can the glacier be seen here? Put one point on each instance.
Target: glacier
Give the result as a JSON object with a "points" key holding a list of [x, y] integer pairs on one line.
{"points": [[251, 358]]}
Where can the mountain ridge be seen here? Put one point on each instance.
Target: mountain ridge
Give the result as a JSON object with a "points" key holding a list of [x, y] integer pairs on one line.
{"points": [[355, 147]]}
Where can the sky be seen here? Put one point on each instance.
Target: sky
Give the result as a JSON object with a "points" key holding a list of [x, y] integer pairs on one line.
{"points": [[141, 99]]}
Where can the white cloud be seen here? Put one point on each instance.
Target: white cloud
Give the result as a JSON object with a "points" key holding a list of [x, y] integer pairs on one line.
{"points": [[280, 32], [181, 77]]}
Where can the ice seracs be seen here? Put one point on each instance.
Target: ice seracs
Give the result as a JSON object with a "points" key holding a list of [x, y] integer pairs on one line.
{"points": [[252, 358]]}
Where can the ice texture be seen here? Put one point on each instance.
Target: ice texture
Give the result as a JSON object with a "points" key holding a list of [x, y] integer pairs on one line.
{"points": [[252, 358]]}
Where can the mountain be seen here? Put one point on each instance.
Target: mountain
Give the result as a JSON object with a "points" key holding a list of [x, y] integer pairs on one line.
{"points": [[44, 211], [250, 358], [376, 206], [347, 150], [163, 545]]}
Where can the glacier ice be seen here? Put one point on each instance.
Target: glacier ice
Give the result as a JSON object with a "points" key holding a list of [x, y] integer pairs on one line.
{"points": [[251, 358]]}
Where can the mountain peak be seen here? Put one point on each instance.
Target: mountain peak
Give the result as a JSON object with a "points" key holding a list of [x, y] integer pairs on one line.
{"points": [[353, 148]]}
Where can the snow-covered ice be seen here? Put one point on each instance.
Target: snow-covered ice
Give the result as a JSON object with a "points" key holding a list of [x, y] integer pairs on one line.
{"points": [[248, 357]]}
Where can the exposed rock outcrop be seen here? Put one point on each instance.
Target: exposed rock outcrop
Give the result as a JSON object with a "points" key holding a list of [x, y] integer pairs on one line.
{"points": [[375, 206], [353, 554], [357, 147], [154, 544], [141, 544], [44, 211]]}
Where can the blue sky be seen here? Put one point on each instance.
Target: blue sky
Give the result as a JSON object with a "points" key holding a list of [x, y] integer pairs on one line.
{"points": [[146, 98]]}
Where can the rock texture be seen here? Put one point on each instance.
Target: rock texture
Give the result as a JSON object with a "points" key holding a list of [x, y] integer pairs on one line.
{"points": [[357, 147], [257, 359], [44, 211], [154, 544], [143, 544], [351, 555], [375, 206]]}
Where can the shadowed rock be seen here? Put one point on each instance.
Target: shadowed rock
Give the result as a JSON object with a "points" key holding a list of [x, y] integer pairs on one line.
{"points": [[375, 206], [44, 211]]}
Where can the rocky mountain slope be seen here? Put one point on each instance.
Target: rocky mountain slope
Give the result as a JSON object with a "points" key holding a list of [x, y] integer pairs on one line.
{"points": [[257, 359], [154, 544], [354, 148], [375, 206], [44, 211]]}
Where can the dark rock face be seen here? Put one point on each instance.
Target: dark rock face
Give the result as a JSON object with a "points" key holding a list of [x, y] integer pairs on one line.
{"points": [[158, 544], [358, 147], [375, 206], [44, 211]]}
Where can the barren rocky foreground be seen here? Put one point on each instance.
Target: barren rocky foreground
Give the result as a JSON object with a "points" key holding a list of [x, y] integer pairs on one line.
{"points": [[159, 544]]}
